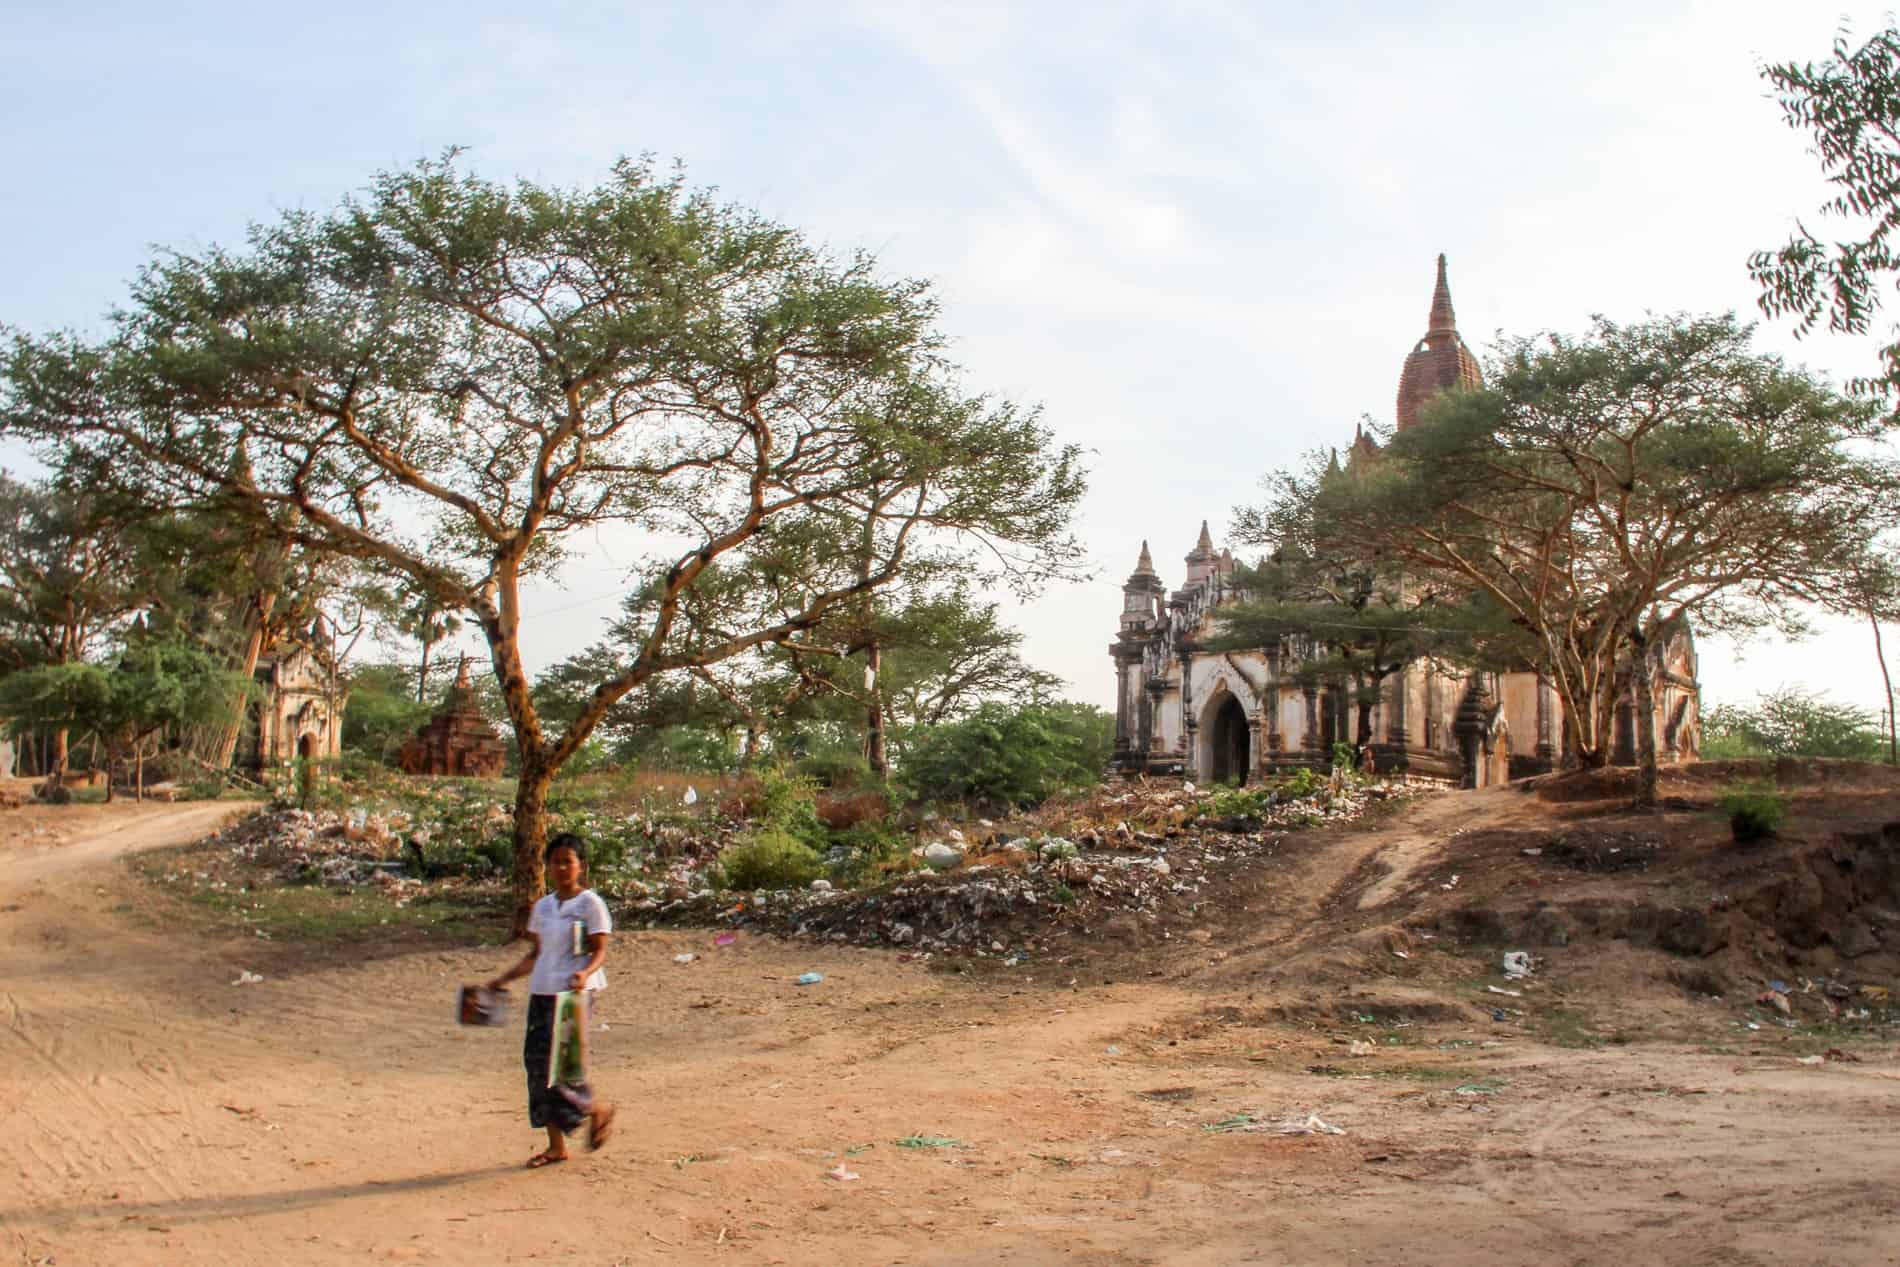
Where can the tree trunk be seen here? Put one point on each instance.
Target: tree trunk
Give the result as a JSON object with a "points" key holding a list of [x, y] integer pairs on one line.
{"points": [[256, 619], [56, 765], [875, 751], [528, 880], [138, 771], [110, 754], [422, 672], [1880, 654], [1647, 774]]}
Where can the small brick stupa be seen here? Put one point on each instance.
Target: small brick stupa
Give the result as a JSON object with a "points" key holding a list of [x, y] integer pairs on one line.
{"points": [[458, 740]]}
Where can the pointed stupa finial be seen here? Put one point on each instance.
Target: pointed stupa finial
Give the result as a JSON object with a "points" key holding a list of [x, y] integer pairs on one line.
{"points": [[462, 680], [1145, 565], [1206, 544], [1443, 320], [1332, 465]]}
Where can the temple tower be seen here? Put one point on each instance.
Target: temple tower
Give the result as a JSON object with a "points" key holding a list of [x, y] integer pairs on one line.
{"points": [[1439, 361]]}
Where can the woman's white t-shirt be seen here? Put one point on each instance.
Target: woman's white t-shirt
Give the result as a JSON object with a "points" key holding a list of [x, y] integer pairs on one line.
{"points": [[564, 950]]}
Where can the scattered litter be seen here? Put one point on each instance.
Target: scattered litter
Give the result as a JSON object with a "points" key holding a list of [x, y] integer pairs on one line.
{"points": [[1483, 1086], [810, 978], [1245, 1122], [1499, 1014], [1532, 853], [1517, 964], [1111, 1050], [839, 1173], [247, 977], [1775, 999], [921, 1140], [691, 797], [1450, 884], [1780, 987], [821, 886], [1401, 954], [1877, 993], [1360, 1047], [1812, 1060], [1498, 989], [684, 958], [1835, 1053], [725, 939]]}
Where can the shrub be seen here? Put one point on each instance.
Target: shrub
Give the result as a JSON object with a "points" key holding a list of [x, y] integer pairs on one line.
{"points": [[772, 859], [870, 846], [1791, 723], [1303, 782], [1007, 756], [838, 769], [1236, 802], [1754, 809]]}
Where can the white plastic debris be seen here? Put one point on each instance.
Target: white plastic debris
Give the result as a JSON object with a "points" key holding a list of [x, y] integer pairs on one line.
{"points": [[1360, 1047], [692, 795], [247, 977], [1517, 964], [684, 958], [1311, 1124], [839, 1173], [941, 857]]}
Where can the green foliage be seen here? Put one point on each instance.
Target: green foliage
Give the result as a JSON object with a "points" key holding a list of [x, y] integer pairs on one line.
{"points": [[836, 767], [1755, 808], [869, 846], [1850, 105], [1006, 756], [382, 711], [442, 362], [1302, 783], [1660, 471], [1237, 802], [1792, 722], [1343, 756], [156, 684], [771, 859]]}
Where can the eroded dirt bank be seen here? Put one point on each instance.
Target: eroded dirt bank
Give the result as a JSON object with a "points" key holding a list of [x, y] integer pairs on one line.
{"points": [[1615, 1108]]}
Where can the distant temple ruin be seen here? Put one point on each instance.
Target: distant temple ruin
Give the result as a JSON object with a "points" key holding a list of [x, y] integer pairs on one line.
{"points": [[458, 740], [297, 710], [1236, 715]]}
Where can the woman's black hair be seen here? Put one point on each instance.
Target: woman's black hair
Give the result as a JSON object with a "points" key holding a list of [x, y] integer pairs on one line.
{"points": [[568, 840]]}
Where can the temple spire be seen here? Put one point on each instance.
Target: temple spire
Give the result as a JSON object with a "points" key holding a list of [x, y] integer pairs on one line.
{"points": [[462, 681], [1206, 544], [1145, 565], [1443, 320]]}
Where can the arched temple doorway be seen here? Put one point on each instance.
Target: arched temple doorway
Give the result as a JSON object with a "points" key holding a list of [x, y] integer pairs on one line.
{"points": [[1229, 743]]}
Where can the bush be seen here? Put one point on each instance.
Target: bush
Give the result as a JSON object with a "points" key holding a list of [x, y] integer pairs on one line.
{"points": [[1006, 756], [772, 859], [1791, 723], [838, 769], [870, 846], [1754, 809]]}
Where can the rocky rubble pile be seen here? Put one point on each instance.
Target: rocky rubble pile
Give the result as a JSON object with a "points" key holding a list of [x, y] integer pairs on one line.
{"points": [[341, 848], [1118, 854]]}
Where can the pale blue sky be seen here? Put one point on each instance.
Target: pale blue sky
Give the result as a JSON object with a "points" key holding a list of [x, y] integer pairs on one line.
{"points": [[1201, 235]]}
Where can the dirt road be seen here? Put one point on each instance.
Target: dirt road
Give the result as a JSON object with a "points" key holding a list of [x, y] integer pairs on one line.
{"points": [[153, 1112]]}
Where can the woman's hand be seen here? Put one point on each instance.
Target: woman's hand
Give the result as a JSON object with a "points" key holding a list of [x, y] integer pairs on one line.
{"points": [[578, 981]]}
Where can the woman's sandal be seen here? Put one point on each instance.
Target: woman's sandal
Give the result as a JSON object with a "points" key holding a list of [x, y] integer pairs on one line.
{"points": [[545, 1159], [600, 1127]]}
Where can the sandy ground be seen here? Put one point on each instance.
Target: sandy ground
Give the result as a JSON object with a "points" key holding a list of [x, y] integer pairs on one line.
{"points": [[152, 1112]]}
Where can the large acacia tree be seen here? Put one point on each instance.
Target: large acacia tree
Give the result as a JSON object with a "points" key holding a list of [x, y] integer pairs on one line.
{"points": [[462, 382], [1601, 489]]}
